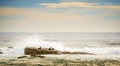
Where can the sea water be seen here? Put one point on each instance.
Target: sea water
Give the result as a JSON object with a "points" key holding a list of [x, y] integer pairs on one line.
{"points": [[13, 44]]}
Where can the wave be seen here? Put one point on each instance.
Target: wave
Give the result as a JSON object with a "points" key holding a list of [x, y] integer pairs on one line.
{"points": [[35, 41]]}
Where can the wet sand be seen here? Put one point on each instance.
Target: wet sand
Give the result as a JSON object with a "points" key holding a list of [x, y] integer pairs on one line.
{"points": [[62, 60]]}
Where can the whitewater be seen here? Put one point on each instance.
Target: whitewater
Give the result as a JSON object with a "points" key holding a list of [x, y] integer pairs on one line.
{"points": [[97, 43]]}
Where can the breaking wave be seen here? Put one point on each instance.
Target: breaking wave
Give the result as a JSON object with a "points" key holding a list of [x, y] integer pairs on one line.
{"points": [[35, 41]]}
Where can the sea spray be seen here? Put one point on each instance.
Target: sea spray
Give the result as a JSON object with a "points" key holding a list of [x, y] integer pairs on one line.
{"points": [[21, 41], [102, 50], [32, 41]]}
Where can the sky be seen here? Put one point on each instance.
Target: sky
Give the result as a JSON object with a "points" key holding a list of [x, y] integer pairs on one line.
{"points": [[59, 15]]}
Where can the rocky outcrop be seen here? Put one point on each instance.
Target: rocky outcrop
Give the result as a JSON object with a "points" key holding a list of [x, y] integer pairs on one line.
{"points": [[10, 47], [39, 51], [22, 57], [67, 52], [1, 52]]}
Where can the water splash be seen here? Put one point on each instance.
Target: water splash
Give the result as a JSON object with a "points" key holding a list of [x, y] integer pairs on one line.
{"points": [[31, 41], [35, 41]]}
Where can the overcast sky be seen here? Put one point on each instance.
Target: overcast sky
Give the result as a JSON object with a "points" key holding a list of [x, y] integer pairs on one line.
{"points": [[59, 15]]}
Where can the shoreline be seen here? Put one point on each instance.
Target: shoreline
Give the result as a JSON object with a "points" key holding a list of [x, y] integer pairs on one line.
{"points": [[62, 60]]}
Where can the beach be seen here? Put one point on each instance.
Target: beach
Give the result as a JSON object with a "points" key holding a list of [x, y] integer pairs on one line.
{"points": [[61, 60]]}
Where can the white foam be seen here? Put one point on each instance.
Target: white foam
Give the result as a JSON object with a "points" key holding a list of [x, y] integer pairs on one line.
{"points": [[35, 41]]}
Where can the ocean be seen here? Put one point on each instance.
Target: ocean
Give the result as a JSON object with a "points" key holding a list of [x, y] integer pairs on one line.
{"points": [[12, 44]]}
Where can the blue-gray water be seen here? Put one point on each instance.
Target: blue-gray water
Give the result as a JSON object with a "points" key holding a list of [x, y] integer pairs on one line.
{"points": [[98, 43]]}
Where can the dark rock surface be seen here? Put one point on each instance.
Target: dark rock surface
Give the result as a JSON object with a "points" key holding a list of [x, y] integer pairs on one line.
{"points": [[1, 52], [38, 51]]}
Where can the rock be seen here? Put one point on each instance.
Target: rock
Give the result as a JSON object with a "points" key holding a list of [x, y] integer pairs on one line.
{"points": [[31, 51], [51, 48], [22, 57], [67, 52], [38, 51], [10, 47], [1, 52], [39, 48], [40, 56]]}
